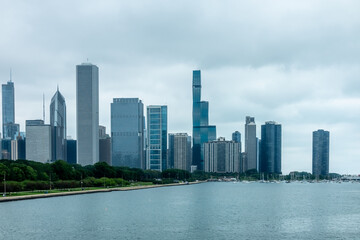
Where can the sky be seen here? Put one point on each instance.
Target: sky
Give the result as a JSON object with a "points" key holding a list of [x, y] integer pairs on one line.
{"points": [[293, 62]]}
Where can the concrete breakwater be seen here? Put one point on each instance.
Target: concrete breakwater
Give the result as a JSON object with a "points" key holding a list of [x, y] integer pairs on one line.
{"points": [[60, 194]]}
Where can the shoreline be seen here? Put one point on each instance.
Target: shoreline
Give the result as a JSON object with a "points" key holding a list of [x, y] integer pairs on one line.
{"points": [[61, 194]]}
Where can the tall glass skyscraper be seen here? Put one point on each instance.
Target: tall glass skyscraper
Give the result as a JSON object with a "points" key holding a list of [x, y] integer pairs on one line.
{"points": [[202, 132], [127, 132], [156, 141], [10, 129], [58, 126], [250, 144], [270, 154], [87, 113], [320, 154]]}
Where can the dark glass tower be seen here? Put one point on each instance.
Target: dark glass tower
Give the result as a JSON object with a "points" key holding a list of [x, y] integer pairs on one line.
{"points": [[202, 132], [58, 126], [270, 154], [320, 155], [236, 137], [127, 132], [10, 129]]}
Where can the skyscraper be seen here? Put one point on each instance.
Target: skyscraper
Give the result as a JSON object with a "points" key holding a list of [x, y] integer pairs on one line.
{"points": [[71, 151], [10, 129], [87, 113], [127, 132], [156, 145], [320, 154], [38, 141], [104, 146], [236, 137], [58, 126], [270, 153], [202, 132], [179, 151], [250, 144], [222, 156]]}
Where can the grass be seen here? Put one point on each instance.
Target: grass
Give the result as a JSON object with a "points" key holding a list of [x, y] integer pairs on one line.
{"points": [[35, 192]]}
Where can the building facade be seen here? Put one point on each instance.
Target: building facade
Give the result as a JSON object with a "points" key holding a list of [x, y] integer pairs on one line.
{"points": [[38, 141], [179, 151], [222, 156], [104, 146], [10, 129], [320, 153], [71, 151], [18, 148], [156, 140], [6, 149], [202, 131], [87, 113], [270, 153], [58, 126], [250, 144], [236, 136], [127, 132]]}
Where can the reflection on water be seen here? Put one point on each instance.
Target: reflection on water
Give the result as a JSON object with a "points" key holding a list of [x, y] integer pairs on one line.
{"points": [[203, 211]]}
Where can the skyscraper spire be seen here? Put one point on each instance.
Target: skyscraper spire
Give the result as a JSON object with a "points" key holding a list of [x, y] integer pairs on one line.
{"points": [[10, 75], [44, 107]]}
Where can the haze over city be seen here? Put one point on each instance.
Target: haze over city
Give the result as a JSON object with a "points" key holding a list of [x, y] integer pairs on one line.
{"points": [[292, 62]]}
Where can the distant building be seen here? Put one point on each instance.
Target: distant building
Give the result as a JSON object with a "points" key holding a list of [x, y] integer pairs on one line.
{"points": [[58, 125], [127, 132], [18, 148], [104, 146], [222, 156], [10, 128], [38, 141], [236, 137], [6, 149], [250, 144], [180, 151], [202, 131], [320, 154], [243, 162], [270, 155], [87, 113], [71, 151], [156, 144]]}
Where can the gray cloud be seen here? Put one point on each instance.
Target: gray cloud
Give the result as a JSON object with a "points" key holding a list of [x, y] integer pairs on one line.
{"points": [[293, 62]]}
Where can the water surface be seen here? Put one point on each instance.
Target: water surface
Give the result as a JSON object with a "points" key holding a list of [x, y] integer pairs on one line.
{"points": [[201, 211]]}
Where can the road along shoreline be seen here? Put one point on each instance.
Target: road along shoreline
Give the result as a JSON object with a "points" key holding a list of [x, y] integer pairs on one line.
{"points": [[61, 194]]}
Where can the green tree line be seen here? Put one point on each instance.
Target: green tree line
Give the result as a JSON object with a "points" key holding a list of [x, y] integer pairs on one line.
{"points": [[24, 175]]}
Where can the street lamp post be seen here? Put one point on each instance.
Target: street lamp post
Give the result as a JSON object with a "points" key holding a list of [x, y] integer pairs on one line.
{"points": [[4, 194]]}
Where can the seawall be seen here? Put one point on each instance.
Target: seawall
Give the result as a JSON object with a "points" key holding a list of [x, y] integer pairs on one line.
{"points": [[61, 194]]}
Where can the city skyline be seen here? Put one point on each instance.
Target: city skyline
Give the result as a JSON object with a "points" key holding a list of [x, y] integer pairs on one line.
{"points": [[306, 78]]}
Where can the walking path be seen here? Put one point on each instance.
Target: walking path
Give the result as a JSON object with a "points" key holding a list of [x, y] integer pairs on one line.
{"points": [[47, 195]]}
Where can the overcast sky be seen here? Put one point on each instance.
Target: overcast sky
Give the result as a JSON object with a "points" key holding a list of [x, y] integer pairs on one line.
{"points": [[294, 62]]}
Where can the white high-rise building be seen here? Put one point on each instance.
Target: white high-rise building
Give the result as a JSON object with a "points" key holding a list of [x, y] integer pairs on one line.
{"points": [[38, 141], [87, 113]]}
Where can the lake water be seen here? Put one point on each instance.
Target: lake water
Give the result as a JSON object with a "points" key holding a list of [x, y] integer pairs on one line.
{"points": [[201, 211]]}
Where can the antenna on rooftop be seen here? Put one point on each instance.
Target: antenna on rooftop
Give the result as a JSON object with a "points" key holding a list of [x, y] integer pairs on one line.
{"points": [[44, 107], [10, 75]]}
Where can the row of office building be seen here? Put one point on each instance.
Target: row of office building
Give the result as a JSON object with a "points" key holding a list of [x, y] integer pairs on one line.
{"points": [[136, 141]]}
